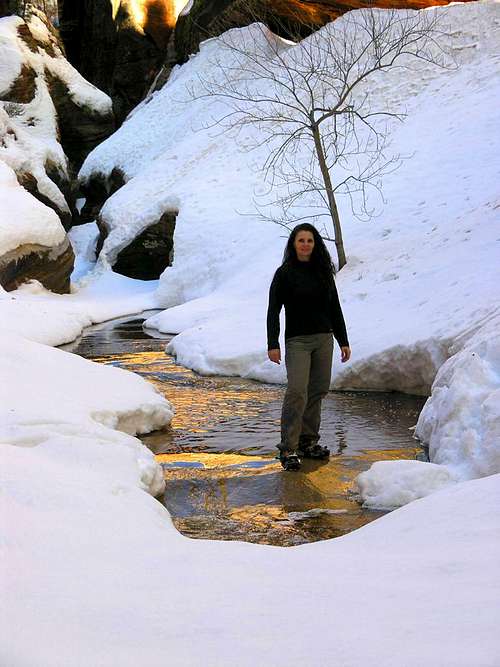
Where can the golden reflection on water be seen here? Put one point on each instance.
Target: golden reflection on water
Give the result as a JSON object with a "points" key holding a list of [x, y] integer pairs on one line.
{"points": [[224, 497], [231, 496], [198, 400]]}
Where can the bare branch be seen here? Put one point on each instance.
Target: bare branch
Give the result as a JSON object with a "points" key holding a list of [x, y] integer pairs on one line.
{"points": [[326, 133]]}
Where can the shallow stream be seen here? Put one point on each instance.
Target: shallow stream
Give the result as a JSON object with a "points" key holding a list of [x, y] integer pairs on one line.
{"points": [[222, 480]]}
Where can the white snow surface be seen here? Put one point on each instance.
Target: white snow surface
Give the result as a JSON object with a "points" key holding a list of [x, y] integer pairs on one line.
{"points": [[50, 396], [461, 419], [83, 238], [106, 579], [35, 313], [23, 218], [460, 423]]}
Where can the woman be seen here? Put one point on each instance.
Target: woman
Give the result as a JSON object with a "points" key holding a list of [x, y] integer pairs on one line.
{"points": [[304, 284]]}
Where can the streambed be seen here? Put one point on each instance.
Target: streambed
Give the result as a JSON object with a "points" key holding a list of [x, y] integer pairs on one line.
{"points": [[218, 456]]}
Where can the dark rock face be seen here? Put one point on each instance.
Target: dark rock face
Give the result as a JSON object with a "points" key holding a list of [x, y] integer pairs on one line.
{"points": [[50, 266], [119, 51], [288, 18], [150, 253], [96, 190], [81, 129], [22, 7]]}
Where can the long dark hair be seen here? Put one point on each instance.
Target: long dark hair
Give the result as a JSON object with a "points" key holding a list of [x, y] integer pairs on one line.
{"points": [[321, 260]]}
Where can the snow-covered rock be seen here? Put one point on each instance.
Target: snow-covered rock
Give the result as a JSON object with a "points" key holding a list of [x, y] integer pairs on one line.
{"points": [[37, 86], [33, 243], [48, 113]]}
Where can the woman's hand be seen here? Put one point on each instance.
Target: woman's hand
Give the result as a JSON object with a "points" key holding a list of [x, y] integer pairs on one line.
{"points": [[345, 353], [274, 355]]}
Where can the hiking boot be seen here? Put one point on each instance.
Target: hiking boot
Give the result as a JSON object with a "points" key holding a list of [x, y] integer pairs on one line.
{"points": [[312, 450], [289, 460]]}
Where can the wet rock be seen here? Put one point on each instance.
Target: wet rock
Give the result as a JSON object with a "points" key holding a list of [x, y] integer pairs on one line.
{"points": [[23, 8], [150, 253], [50, 266]]}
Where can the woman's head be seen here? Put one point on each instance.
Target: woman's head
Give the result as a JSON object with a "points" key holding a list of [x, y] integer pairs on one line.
{"points": [[306, 244]]}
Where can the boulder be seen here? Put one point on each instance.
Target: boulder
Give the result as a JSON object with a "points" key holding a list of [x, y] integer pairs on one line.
{"points": [[51, 266], [150, 253], [33, 243]]}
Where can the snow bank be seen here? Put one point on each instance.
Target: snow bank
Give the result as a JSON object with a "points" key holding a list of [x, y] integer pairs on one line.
{"points": [[80, 390], [48, 393], [107, 579], [390, 484], [55, 319], [460, 424], [23, 219], [461, 420]]}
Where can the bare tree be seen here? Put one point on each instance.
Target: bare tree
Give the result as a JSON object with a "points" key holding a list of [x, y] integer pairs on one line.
{"points": [[315, 104]]}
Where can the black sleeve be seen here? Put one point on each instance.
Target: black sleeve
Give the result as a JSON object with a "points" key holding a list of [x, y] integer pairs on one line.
{"points": [[338, 324], [273, 311]]}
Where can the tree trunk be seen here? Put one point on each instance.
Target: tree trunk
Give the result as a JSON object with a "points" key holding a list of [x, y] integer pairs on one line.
{"points": [[332, 205]]}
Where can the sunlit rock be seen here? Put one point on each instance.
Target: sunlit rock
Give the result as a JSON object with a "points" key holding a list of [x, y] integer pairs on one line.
{"points": [[119, 45]]}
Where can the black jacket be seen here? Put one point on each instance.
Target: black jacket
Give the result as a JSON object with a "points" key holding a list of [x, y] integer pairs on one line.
{"points": [[311, 306]]}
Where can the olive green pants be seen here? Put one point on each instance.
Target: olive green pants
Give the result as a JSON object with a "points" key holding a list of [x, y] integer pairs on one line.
{"points": [[308, 362]]}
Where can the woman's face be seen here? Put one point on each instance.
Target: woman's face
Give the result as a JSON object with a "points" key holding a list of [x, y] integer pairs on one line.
{"points": [[304, 245]]}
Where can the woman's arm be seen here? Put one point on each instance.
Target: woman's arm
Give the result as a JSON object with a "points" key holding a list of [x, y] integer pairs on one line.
{"points": [[273, 313], [338, 323]]}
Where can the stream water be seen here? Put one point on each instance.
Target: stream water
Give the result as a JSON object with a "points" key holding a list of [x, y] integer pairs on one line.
{"points": [[222, 480]]}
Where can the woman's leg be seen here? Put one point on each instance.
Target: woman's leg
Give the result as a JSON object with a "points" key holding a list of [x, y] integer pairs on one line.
{"points": [[298, 363], [319, 383]]}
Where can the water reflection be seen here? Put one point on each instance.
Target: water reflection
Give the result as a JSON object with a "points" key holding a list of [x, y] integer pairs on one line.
{"points": [[222, 479]]}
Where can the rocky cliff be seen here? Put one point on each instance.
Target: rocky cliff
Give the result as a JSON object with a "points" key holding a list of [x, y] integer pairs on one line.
{"points": [[118, 46]]}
